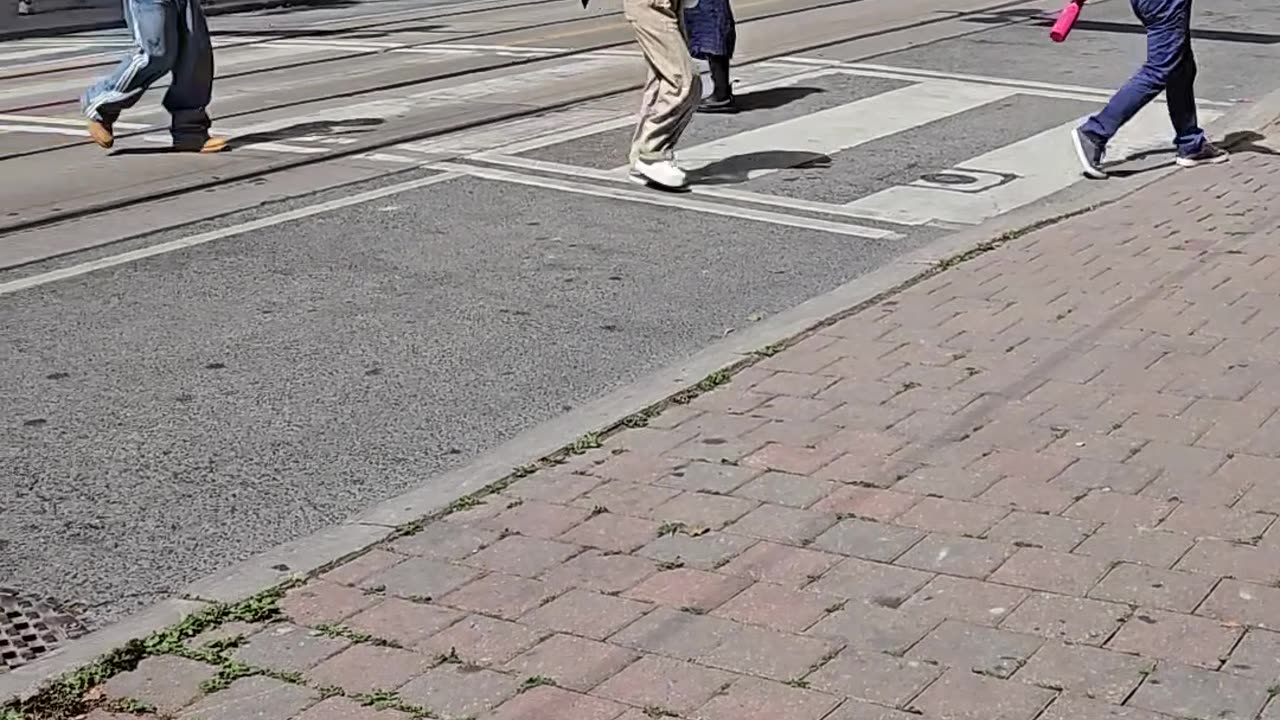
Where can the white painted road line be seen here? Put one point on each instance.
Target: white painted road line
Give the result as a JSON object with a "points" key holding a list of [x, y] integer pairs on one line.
{"points": [[754, 78], [665, 199], [827, 132], [32, 53], [181, 244], [715, 191], [1030, 87], [42, 130], [490, 136], [64, 122], [1035, 167]]}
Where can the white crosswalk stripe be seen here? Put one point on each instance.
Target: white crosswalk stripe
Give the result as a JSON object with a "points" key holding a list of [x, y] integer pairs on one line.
{"points": [[1023, 171], [992, 182]]}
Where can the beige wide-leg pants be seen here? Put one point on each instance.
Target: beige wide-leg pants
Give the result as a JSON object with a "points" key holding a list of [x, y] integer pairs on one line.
{"points": [[673, 90]]}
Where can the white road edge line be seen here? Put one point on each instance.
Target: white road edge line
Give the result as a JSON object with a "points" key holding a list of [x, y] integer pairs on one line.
{"points": [[1031, 87], [181, 244], [669, 200], [65, 122], [621, 121], [732, 194]]}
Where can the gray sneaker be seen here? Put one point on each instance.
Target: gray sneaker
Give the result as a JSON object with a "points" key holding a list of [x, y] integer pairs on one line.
{"points": [[1208, 154], [1090, 153]]}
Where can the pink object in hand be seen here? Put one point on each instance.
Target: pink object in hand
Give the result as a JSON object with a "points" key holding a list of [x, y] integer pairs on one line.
{"points": [[1066, 19]]}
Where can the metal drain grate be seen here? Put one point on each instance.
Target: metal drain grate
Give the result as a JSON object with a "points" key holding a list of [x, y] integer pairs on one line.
{"points": [[31, 627]]}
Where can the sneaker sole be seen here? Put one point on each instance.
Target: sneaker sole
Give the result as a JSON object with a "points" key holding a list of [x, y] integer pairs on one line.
{"points": [[645, 181], [1089, 170], [1216, 160]]}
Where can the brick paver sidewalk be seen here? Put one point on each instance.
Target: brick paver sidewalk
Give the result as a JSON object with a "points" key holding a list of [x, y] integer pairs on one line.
{"points": [[1041, 484]]}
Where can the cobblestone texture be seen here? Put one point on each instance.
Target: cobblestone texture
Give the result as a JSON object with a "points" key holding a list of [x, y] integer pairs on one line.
{"points": [[1040, 484]]}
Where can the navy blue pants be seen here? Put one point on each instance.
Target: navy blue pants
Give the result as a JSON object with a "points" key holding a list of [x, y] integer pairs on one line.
{"points": [[1170, 67]]}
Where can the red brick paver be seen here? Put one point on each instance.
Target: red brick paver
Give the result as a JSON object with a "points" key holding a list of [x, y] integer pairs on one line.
{"points": [[1040, 484]]}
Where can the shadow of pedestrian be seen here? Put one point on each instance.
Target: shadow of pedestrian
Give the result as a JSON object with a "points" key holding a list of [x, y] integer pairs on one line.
{"points": [[317, 129], [737, 168], [1236, 143], [321, 128], [1247, 141], [1139, 162], [773, 98]]}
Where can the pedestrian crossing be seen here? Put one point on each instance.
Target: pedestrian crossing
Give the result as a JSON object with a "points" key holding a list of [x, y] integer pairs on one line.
{"points": [[900, 110], [1022, 170]]}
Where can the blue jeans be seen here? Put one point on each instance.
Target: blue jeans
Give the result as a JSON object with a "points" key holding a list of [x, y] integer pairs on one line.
{"points": [[170, 36], [1170, 67]]}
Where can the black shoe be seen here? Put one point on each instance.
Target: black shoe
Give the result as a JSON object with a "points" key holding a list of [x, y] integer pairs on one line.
{"points": [[713, 105], [1090, 153], [1208, 154]]}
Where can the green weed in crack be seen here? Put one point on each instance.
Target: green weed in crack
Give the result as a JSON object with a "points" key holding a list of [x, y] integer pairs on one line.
{"points": [[466, 502], [770, 350], [337, 630], [536, 681], [222, 645], [229, 672], [390, 700], [590, 441], [671, 528], [640, 419], [130, 706], [67, 697]]}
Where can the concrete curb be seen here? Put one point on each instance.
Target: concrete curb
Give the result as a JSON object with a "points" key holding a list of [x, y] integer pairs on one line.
{"points": [[336, 544]]}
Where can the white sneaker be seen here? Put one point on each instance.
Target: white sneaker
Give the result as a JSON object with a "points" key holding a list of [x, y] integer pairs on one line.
{"points": [[663, 173], [24, 7]]}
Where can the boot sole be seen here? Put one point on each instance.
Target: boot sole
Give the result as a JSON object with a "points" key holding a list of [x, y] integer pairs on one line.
{"points": [[103, 137]]}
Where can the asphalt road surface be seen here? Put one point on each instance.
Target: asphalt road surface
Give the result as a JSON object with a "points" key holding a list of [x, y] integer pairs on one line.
{"points": [[422, 242]]}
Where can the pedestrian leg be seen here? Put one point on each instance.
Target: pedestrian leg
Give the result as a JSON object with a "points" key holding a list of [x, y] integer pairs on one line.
{"points": [[1193, 148], [1168, 27], [712, 37], [154, 27], [671, 94], [192, 88]]}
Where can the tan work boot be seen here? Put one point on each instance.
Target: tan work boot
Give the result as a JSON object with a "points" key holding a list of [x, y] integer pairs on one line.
{"points": [[200, 145], [102, 134]]}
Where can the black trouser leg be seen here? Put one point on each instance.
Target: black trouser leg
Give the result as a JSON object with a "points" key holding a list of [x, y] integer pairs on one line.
{"points": [[720, 77]]}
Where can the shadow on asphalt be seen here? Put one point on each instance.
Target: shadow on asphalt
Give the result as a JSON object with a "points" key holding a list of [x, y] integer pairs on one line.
{"points": [[737, 168], [1237, 143], [1247, 141], [773, 97], [322, 128]]}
